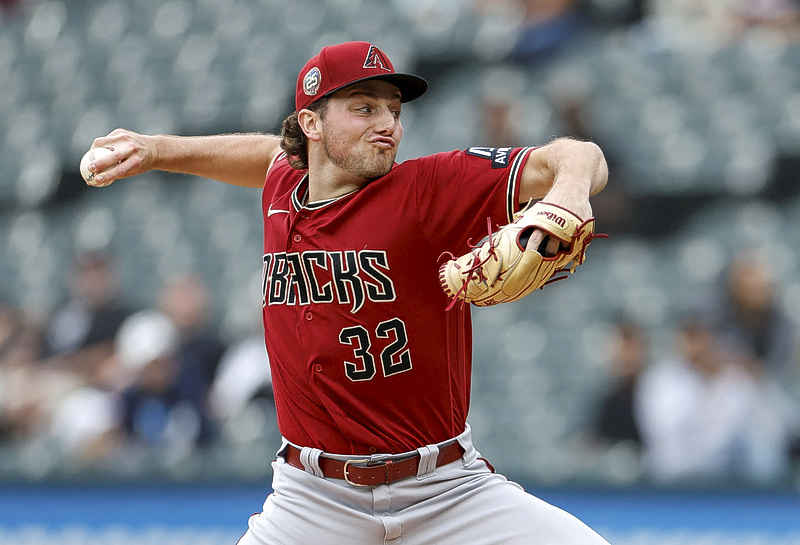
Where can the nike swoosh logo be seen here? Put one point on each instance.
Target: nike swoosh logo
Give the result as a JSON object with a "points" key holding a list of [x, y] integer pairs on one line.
{"points": [[270, 211]]}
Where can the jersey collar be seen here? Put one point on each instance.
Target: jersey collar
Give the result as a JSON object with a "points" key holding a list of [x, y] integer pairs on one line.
{"points": [[300, 192]]}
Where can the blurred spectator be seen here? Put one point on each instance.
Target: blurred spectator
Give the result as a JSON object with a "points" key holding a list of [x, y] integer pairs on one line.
{"points": [[10, 327], [498, 127], [19, 350], [749, 318], [616, 420], [199, 349], [84, 422], [29, 393], [500, 103], [569, 93], [241, 396], [731, 17], [152, 412], [549, 24], [81, 331], [776, 14], [10, 6], [703, 417], [154, 388], [243, 375], [626, 12]]}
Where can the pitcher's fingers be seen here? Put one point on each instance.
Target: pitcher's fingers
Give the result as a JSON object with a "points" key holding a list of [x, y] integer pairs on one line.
{"points": [[106, 141], [534, 240], [553, 244], [122, 170], [120, 153], [114, 136]]}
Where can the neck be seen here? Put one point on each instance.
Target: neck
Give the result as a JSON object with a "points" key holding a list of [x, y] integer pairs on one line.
{"points": [[328, 181]]}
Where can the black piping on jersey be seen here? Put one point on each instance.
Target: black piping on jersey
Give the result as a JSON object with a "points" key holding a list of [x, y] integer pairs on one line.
{"points": [[316, 205], [511, 206]]}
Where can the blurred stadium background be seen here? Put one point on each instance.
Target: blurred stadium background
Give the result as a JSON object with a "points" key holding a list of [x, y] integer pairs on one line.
{"points": [[658, 400]]}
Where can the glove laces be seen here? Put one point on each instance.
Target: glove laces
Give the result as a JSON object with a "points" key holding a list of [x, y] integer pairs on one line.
{"points": [[475, 268]]}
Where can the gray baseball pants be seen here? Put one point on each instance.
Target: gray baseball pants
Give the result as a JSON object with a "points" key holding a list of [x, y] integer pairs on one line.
{"points": [[463, 502]]}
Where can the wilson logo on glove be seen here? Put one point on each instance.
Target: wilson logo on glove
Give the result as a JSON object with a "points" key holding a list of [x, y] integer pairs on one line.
{"points": [[560, 220], [500, 269]]}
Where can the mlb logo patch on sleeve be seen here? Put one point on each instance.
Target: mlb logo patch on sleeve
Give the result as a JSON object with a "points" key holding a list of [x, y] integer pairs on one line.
{"points": [[498, 156]]}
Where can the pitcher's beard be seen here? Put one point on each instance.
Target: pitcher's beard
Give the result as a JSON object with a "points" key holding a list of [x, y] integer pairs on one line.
{"points": [[364, 165]]}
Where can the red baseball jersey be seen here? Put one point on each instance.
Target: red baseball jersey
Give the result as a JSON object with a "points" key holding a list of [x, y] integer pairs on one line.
{"points": [[364, 357]]}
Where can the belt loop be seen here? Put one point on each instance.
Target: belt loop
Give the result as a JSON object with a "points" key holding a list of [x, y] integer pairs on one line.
{"points": [[309, 457], [465, 440], [282, 449], [428, 456]]}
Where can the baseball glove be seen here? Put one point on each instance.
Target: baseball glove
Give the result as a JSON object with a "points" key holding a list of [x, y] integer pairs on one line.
{"points": [[500, 269]]}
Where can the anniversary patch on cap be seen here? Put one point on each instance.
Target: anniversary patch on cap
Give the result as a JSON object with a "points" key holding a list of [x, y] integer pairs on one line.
{"points": [[312, 81]]}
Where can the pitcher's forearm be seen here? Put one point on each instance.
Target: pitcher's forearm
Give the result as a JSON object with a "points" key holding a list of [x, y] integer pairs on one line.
{"points": [[238, 159], [575, 161], [564, 159]]}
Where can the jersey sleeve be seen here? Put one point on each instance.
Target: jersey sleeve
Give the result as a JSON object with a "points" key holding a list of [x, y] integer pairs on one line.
{"points": [[457, 191], [280, 161]]}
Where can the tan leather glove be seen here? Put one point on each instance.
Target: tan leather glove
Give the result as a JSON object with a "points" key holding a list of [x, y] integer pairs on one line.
{"points": [[500, 269]]}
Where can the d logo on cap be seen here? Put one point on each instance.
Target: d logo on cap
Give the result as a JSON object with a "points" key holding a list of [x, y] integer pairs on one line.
{"points": [[312, 81], [374, 59]]}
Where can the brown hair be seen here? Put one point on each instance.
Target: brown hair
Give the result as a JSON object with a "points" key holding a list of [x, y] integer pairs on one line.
{"points": [[294, 141]]}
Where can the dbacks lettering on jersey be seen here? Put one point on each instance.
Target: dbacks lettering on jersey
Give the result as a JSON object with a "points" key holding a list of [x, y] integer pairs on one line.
{"points": [[498, 156], [318, 276]]}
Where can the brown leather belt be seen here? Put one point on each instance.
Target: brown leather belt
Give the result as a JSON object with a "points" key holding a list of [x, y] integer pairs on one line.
{"points": [[360, 471]]}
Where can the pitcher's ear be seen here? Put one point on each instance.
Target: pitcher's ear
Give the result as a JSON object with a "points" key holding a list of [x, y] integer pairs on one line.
{"points": [[311, 124]]}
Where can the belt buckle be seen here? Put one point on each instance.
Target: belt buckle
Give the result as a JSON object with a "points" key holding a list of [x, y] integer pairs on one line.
{"points": [[373, 461]]}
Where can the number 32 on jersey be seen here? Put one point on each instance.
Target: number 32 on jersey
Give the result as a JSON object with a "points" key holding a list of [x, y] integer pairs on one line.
{"points": [[395, 357]]}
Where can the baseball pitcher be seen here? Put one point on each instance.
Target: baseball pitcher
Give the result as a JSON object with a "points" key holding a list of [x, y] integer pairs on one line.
{"points": [[366, 304]]}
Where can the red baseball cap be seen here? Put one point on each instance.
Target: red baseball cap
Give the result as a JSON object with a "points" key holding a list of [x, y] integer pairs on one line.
{"points": [[337, 66]]}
